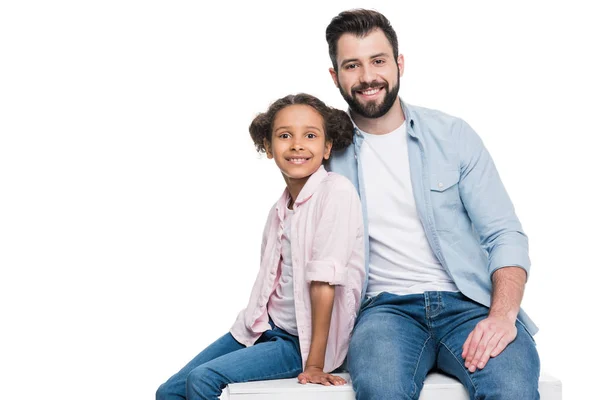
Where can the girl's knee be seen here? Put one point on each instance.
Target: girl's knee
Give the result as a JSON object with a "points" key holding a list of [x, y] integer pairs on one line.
{"points": [[165, 392], [203, 383]]}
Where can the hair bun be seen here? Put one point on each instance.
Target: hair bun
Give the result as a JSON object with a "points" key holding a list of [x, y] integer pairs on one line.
{"points": [[339, 128]]}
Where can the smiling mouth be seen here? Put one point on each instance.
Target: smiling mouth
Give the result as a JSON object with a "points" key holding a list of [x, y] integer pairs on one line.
{"points": [[370, 91], [298, 160]]}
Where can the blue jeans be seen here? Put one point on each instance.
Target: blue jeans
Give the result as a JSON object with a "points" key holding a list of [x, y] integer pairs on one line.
{"points": [[397, 340], [276, 355]]}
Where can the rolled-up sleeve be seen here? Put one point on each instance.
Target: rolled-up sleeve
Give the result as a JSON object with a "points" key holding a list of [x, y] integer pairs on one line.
{"points": [[338, 227], [489, 206]]}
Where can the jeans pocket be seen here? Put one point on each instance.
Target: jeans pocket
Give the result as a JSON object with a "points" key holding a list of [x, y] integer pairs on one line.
{"points": [[368, 301]]}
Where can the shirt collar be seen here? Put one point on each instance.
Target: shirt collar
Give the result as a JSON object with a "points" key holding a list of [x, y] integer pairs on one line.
{"points": [[407, 117], [309, 188]]}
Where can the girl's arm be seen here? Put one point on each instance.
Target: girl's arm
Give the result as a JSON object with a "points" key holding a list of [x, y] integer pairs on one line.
{"points": [[321, 299]]}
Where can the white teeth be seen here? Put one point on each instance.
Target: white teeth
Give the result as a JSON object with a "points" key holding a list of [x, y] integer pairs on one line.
{"points": [[370, 91], [298, 160]]}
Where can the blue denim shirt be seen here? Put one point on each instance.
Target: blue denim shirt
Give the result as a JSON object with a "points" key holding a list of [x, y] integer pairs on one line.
{"points": [[468, 217]]}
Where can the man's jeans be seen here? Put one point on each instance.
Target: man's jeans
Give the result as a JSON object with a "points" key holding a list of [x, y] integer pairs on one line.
{"points": [[399, 339], [276, 355]]}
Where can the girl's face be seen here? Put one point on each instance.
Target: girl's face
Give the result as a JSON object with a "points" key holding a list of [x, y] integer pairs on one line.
{"points": [[298, 143]]}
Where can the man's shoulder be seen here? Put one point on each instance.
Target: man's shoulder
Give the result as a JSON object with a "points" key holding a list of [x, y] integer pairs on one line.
{"points": [[430, 117], [433, 124]]}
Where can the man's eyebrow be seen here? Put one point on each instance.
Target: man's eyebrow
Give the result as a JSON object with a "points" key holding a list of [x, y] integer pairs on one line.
{"points": [[346, 61], [382, 54]]}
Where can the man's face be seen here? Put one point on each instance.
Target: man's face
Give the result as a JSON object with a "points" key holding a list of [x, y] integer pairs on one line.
{"points": [[368, 77]]}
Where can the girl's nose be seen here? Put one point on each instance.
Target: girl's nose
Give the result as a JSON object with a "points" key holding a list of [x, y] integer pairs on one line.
{"points": [[297, 145]]}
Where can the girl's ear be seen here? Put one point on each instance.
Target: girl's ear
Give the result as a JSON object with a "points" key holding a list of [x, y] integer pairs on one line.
{"points": [[268, 148], [328, 145]]}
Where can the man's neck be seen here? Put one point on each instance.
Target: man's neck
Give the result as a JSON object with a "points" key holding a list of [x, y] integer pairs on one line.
{"points": [[387, 123]]}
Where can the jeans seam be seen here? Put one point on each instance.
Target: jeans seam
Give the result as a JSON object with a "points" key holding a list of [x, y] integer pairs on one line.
{"points": [[462, 366], [414, 391], [272, 376]]}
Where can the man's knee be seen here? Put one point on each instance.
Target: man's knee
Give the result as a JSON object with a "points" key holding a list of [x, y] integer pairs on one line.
{"points": [[380, 380], [368, 385], [522, 389], [514, 378]]}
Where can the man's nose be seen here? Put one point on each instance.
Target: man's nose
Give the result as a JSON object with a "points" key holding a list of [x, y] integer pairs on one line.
{"points": [[368, 74]]}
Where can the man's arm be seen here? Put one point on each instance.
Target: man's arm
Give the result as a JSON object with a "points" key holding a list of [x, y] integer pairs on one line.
{"points": [[491, 335], [501, 235]]}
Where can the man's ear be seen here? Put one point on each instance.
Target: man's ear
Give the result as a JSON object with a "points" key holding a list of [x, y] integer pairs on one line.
{"points": [[334, 77], [401, 64], [268, 148]]}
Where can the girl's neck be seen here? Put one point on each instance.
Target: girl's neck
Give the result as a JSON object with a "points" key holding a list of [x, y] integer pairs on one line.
{"points": [[294, 186]]}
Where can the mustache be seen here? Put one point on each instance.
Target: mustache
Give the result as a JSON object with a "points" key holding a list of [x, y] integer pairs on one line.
{"points": [[369, 85]]}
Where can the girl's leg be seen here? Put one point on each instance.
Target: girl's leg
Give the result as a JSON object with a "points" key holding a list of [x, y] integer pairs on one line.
{"points": [[276, 355], [174, 388]]}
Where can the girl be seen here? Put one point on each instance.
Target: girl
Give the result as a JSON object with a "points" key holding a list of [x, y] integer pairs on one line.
{"points": [[305, 299]]}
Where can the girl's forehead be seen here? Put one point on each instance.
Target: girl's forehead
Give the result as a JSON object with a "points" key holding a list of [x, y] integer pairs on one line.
{"points": [[298, 115]]}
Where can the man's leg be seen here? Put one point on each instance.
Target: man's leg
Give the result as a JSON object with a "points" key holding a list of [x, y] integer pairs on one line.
{"points": [[390, 350], [276, 355], [513, 374]]}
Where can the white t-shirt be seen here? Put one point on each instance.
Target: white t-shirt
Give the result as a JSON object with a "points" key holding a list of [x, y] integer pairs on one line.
{"points": [[281, 305], [402, 261]]}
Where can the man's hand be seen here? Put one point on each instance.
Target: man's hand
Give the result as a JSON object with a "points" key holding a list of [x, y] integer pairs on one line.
{"points": [[316, 375], [489, 338]]}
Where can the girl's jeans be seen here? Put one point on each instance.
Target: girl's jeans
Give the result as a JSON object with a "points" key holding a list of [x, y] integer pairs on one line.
{"points": [[275, 355]]}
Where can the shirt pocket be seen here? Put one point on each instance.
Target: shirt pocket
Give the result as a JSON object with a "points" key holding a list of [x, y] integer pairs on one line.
{"points": [[445, 198]]}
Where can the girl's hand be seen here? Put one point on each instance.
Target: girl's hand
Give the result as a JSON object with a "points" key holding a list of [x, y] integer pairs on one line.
{"points": [[316, 375]]}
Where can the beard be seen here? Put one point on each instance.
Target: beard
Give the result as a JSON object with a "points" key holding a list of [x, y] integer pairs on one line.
{"points": [[371, 109]]}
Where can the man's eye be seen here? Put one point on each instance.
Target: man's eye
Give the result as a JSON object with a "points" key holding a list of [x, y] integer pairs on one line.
{"points": [[379, 61], [351, 66]]}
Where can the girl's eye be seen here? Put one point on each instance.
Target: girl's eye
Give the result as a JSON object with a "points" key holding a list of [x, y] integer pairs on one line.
{"points": [[311, 136], [284, 136]]}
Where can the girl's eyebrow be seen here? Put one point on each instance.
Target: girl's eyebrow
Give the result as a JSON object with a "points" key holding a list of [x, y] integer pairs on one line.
{"points": [[305, 127]]}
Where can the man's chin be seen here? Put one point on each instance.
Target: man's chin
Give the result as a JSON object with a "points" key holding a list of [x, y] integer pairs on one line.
{"points": [[372, 110]]}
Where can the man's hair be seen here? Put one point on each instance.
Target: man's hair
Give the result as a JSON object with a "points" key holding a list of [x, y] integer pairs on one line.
{"points": [[359, 22]]}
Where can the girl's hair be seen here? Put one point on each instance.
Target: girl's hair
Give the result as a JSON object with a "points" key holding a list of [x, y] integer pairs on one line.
{"points": [[337, 124]]}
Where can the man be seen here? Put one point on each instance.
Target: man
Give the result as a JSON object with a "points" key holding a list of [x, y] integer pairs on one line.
{"points": [[447, 259]]}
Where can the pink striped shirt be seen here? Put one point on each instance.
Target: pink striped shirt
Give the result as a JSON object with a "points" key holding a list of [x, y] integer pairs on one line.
{"points": [[327, 246]]}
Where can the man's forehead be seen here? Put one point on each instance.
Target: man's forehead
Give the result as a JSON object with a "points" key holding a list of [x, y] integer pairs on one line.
{"points": [[352, 46]]}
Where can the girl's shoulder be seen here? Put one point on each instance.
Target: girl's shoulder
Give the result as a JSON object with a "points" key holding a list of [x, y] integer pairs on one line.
{"points": [[337, 184]]}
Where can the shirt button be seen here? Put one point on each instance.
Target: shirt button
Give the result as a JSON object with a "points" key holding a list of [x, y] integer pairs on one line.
{"points": [[440, 185]]}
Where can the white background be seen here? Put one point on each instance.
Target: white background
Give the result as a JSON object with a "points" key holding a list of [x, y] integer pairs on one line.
{"points": [[132, 200]]}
